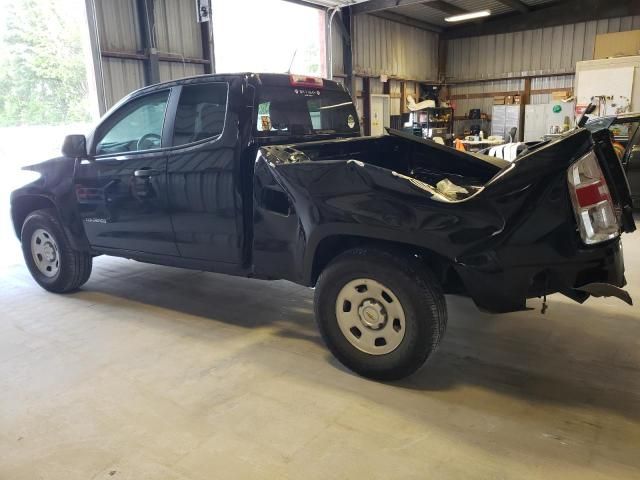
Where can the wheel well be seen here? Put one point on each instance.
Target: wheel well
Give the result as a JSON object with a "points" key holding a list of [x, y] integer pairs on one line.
{"points": [[330, 247], [23, 206]]}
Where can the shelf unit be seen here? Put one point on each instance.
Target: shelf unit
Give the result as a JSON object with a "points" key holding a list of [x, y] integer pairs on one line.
{"points": [[434, 122], [464, 122]]}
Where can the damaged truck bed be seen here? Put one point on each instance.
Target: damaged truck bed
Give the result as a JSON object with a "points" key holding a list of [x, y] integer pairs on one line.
{"points": [[497, 231]]}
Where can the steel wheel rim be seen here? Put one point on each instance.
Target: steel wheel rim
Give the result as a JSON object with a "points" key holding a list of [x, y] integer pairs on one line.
{"points": [[45, 253], [370, 316]]}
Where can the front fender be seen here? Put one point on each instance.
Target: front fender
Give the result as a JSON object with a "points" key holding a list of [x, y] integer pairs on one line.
{"points": [[54, 189]]}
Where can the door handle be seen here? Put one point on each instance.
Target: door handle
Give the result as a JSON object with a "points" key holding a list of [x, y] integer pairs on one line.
{"points": [[146, 172]]}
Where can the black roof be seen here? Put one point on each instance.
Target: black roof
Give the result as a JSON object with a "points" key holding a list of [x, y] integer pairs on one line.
{"points": [[252, 77]]}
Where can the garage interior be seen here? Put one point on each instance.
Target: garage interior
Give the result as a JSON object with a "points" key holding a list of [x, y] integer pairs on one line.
{"points": [[151, 371]]}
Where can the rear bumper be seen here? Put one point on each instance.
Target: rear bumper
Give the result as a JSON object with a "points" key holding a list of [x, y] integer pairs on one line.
{"points": [[499, 288]]}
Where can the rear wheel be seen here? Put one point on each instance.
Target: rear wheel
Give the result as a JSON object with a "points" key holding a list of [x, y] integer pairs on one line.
{"points": [[49, 256], [382, 315]]}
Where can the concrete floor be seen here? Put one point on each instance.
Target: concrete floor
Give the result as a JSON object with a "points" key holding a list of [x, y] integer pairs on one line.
{"points": [[158, 373]]}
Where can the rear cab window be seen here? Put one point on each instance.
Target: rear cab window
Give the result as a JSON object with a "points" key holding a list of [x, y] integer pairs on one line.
{"points": [[201, 112], [302, 111]]}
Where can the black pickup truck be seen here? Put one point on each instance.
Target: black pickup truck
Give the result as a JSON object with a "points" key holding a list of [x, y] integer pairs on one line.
{"points": [[268, 176]]}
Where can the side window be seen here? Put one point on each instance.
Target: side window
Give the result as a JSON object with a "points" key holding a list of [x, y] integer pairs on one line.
{"points": [[136, 126], [201, 112]]}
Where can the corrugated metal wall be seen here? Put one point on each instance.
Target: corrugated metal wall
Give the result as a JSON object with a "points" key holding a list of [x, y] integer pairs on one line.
{"points": [[545, 51], [383, 47], [532, 52], [118, 25], [117, 22], [176, 28], [177, 34], [485, 104], [462, 106], [545, 83], [120, 78]]}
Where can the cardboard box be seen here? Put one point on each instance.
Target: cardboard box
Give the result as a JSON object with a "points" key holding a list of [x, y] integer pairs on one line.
{"points": [[559, 95], [499, 100], [620, 44]]}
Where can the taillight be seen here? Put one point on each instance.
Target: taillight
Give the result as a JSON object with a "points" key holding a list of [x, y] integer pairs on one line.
{"points": [[591, 200], [305, 81]]}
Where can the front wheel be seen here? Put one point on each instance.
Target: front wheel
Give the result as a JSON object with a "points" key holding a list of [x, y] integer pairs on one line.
{"points": [[382, 315], [53, 263]]}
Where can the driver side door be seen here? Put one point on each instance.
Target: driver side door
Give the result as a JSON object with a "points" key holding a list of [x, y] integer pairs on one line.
{"points": [[121, 189]]}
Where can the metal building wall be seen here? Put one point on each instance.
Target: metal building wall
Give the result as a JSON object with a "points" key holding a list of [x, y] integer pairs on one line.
{"points": [[546, 83], [120, 78], [116, 22], [176, 28], [119, 46], [544, 54], [485, 104], [384, 47], [541, 51]]}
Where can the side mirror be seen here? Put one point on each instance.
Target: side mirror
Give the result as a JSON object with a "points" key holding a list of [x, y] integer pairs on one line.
{"points": [[74, 146]]}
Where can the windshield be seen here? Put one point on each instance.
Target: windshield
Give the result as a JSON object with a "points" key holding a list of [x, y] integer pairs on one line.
{"points": [[300, 111]]}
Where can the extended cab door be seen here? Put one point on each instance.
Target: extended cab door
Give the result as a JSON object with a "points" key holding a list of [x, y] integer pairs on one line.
{"points": [[122, 187], [204, 175]]}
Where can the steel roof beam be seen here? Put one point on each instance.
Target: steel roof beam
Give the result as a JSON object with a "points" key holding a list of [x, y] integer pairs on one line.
{"points": [[516, 5], [572, 11], [372, 6], [445, 7], [411, 22]]}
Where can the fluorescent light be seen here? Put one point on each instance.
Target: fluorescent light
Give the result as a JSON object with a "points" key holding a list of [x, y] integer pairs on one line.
{"points": [[468, 16]]}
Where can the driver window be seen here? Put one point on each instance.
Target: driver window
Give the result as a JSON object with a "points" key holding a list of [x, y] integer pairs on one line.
{"points": [[136, 127]]}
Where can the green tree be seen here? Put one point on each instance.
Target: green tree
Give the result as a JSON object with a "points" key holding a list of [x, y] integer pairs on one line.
{"points": [[43, 77]]}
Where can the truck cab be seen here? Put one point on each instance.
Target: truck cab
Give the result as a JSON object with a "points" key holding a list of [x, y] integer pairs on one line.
{"points": [[168, 171]]}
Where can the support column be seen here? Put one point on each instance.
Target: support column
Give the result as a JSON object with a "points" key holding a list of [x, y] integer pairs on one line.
{"points": [[366, 105], [347, 49], [207, 47], [525, 98], [442, 59], [146, 17]]}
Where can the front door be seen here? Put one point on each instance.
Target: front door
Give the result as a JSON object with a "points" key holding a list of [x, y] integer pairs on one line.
{"points": [[122, 188]]}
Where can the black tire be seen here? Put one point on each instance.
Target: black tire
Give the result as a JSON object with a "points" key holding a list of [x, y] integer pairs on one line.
{"points": [[421, 299], [73, 267]]}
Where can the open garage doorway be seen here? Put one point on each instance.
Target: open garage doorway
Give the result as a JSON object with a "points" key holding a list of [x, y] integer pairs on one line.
{"points": [[269, 36], [44, 92]]}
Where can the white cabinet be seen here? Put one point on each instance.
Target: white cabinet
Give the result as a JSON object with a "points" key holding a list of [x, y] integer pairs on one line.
{"points": [[539, 118], [503, 119]]}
